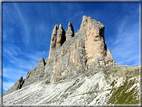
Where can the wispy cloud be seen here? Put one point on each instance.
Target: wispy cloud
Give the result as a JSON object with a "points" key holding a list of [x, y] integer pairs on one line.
{"points": [[126, 46], [19, 63], [11, 75], [38, 55], [7, 85], [17, 59], [26, 37], [23, 59]]}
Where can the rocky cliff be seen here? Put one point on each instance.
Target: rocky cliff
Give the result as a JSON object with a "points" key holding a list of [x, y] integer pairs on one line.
{"points": [[72, 57]]}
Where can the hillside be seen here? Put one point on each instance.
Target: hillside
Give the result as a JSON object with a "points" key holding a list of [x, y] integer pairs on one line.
{"points": [[112, 85]]}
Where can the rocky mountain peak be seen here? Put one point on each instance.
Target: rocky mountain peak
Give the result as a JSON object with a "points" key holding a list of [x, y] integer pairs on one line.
{"points": [[89, 22], [72, 54]]}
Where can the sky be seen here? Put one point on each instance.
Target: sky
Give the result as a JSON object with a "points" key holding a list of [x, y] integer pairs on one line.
{"points": [[27, 30]]}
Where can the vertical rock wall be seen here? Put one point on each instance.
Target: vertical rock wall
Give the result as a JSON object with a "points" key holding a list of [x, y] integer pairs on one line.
{"points": [[71, 53]]}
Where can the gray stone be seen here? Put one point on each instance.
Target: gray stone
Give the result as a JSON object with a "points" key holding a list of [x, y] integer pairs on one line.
{"points": [[71, 54], [18, 85], [70, 31]]}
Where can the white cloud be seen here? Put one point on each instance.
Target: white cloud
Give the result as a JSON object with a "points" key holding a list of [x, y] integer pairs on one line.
{"points": [[125, 48], [11, 75], [19, 63], [26, 37], [38, 55], [21, 58], [7, 85]]}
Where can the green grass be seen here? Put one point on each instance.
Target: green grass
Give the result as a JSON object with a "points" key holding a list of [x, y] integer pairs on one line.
{"points": [[88, 75], [106, 70], [132, 73], [107, 74], [137, 72], [113, 83], [115, 71], [119, 95]]}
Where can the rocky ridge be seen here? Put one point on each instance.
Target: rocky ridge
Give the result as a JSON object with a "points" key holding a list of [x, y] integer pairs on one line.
{"points": [[72, 56]]}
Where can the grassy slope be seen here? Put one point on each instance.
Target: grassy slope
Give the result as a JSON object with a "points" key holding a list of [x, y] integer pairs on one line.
{"points": [[121, 95]]}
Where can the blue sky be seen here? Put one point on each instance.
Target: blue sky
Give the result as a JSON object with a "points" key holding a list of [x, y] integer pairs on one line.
{"points": [[27, 29]]}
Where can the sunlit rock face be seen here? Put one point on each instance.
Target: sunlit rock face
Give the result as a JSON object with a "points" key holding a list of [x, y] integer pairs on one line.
{"points": [[82, 68], [78, 52], [72, 53]]}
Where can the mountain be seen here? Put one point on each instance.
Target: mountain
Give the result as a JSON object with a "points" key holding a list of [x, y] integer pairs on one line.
{"points": [[80, 70]]}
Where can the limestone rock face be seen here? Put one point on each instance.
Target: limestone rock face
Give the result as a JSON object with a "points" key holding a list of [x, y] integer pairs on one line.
{"points": [[94, 42], [72, 54], [36, 74], [109, 60], [57, 38]]}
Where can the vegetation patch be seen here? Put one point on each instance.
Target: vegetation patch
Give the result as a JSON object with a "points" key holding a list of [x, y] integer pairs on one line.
{"points": [[88, 75], [132, 73], [75, 85], [107, 70], [121, 96], [113, 83], [115, 71], [106, 75], [136, 72]]}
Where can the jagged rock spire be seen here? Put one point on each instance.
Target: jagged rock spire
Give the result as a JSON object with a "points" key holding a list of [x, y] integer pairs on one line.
{"points": [[55, 30], [41, 62], [59, 36], [70, 31], [20, 83], [84, 21], [53, 38]]}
